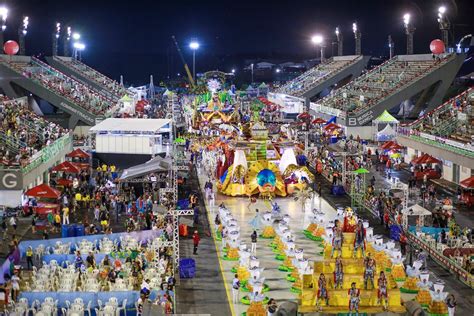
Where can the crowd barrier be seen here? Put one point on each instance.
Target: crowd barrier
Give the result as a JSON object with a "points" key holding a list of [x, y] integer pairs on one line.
{"points": [[61, 259], [141, 235], [62, 297], [434, 231]]}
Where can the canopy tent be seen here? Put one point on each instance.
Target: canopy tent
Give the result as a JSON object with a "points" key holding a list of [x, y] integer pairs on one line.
{"points": [[425, 159], [387, 144], [43, 191], [66, 166], [126, 98], [468, 183], [387, 133], [156, 164], [331, 126], [78, 153], [415, 210], [361, 171], [386, 117], [332, 120], [303, 116], [318, 120], [64, 182]]}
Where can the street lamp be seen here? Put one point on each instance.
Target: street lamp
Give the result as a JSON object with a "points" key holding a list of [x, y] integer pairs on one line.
{"points": [[391, 46], [22, 33], [357, 36], [278, 70], [3, 17], [339, 42], [56, 38], [76, 36], [318, 40], [444, 24], [409, 30], [194, 46], [251, 68], [233, 71]]}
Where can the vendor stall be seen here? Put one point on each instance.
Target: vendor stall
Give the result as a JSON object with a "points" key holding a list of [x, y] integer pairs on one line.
{"points": [[414, 211], [424, 163], [47, 199], [388, 131], [467, 194]]}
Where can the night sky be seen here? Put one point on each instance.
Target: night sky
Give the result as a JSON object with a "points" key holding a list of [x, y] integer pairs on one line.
{"points": [[133, 38]]}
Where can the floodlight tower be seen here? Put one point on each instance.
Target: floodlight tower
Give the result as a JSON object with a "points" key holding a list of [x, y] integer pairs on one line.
{"points": [[391, 46], [66, 41], [56, 39], [340, 38], [357, 36], [409, 31], [444, 24], [151, 94], [194, 46], [318, 40], [3, 17], [21, 35]]}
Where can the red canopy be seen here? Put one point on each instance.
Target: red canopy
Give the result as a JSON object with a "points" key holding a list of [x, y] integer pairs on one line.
{"points": [[64, 182], [396, 146], [66, 166], [424, 159], [468, 183], [387, 144], [331, 126], [319, 120], [78, 153], [303, 116], [43, 191]]}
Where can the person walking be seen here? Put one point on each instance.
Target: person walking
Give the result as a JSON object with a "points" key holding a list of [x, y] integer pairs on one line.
{"points": [[29, 258], [254, 242], [65, 215], [451, 302], [235, 289], [196, 240]]}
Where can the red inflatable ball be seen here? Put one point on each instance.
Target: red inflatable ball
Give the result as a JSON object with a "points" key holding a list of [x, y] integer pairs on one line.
{"points": [[11, 47], [437, 46]]}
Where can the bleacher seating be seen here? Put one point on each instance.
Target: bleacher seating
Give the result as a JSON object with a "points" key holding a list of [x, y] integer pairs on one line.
{"points": [[314, 76], [74, 91], [111, 85], [23, 133], [453, 120], [371, 88]]}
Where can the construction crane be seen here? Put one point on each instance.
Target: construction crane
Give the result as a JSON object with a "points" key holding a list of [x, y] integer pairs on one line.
{"points": [[190, 77]]}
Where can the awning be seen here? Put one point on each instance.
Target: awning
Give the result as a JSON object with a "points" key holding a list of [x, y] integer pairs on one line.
{"points": [[43, 191], [385, 117], [425, 159], [468, 183], [64, 182], [78, 153], [157, 164], [416, 210], [66, 166]]}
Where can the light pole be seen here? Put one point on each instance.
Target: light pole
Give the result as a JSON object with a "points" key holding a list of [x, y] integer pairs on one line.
{"points": [[3, 17], [21, 35], [444, 25], [76, 45], [409, 30], [56, 38], [340, 38], [357, 36], [251, 68], [318, 40], [391, 46], [194, 46], [66, 41]]}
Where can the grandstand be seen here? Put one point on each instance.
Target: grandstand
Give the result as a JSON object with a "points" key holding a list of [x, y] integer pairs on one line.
{"points": [[80, 101], [398, 79], [447, 131], [78, 70], [324, 75], [29, 145]]}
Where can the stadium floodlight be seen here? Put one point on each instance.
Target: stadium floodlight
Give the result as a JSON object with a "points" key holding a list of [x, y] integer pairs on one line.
{"points": [[58, 29], [444, 24], [442, 9], [317, 39], [194, 45], [69, 31], [354, 27], [337, 31], [278, 70], [3, 16], [79, 46], [233, 71], [25, 25], [406, 19], [76, 36]]}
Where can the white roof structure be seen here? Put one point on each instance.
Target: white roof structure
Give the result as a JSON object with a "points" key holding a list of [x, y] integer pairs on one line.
{"points": [[156, 164], [416, 210], [132, 126]]}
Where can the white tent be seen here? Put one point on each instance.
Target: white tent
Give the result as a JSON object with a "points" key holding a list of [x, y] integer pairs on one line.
{"points": [[157, 164], [386, 134], [415, 210]]}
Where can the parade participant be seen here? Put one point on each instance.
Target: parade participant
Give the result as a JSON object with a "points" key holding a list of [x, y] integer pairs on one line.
{"points": [[196, 240], [256, 222], [354, 299], [350, 221], [235, 289], [382, 292], [337, 239], [359, 241], [78, 262], [369, 263], [338, 273], [322, 291]]}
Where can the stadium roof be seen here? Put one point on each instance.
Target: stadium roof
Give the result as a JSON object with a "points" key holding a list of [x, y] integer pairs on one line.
{"points": [[131, 125]]}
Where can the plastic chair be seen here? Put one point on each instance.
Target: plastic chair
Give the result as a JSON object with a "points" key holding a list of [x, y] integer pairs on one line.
{"points": [[88, 308], [122, 308]]}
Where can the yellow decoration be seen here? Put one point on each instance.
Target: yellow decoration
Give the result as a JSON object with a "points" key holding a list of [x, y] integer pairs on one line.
{"points": [[233, 253], [438, 307], [423, 297], [411, 284], [256, 309], [243, 274], [268, 232]]}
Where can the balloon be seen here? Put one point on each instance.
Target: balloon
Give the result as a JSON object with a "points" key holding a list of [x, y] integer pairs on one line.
{"points": [[11, 47], [437, 46]]}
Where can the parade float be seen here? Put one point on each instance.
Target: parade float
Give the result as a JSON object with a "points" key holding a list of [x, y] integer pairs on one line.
{"points": [[213, 109]]}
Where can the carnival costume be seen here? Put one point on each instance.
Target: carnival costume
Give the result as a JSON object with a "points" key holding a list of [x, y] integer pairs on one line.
{"points": [[338, 273], [369, 271], [354, 299]]}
